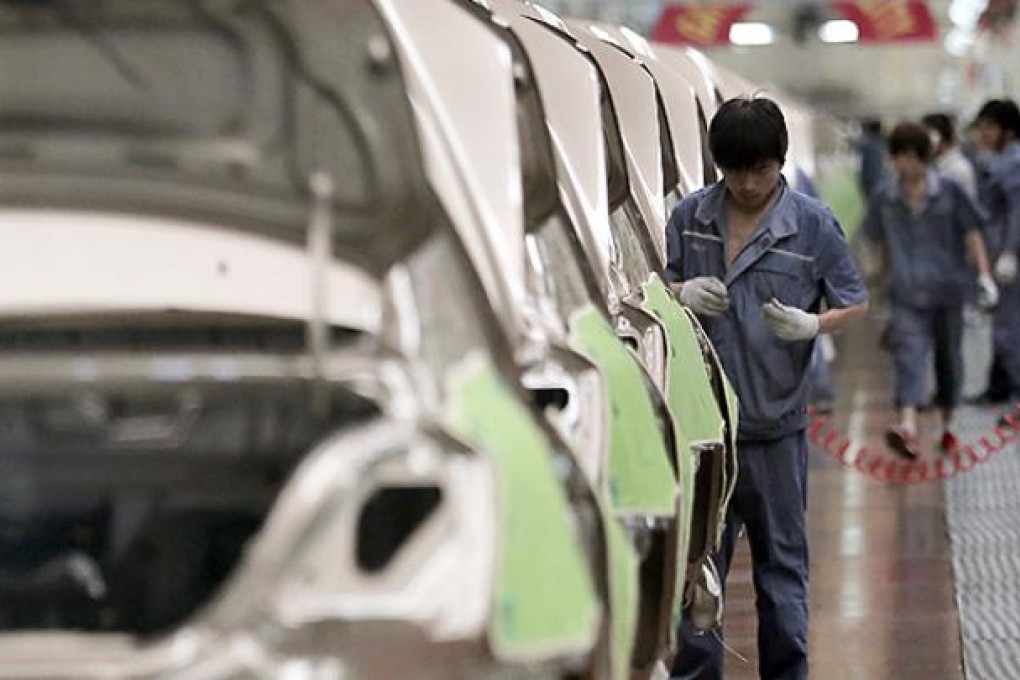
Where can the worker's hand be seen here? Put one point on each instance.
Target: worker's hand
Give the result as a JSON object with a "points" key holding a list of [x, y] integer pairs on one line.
{"points": [[705, 295], [790, 323], [1005, 267], [988, 292]]}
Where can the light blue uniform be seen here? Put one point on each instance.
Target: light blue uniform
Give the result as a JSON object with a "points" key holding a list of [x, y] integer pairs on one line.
{"points": [[799, 256], [928, 278]]}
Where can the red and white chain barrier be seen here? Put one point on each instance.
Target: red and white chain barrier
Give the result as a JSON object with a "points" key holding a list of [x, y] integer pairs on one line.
{"points": [[893, 469]]}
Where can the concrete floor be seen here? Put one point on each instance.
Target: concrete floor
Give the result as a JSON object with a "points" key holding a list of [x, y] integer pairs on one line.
{"points": [[882, 600]]}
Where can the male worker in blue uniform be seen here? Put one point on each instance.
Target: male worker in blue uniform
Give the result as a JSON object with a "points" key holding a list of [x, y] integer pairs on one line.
{"points": [[755, 260]]}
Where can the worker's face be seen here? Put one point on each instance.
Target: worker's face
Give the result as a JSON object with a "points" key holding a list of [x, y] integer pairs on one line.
{"points": [[751, 188], [988, 135], [909, 166]]}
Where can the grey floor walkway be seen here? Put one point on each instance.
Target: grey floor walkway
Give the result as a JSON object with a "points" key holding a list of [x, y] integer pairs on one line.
{"points": [[983, 517]]}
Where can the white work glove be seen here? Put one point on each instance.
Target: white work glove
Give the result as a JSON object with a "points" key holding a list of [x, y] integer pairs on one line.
{"points": [[705, 295], [988, 292], [1005, 267], [790, 323]]}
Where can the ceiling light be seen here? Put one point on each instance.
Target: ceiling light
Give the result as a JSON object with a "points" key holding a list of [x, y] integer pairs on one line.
{"points": [[958, 42], [839, 31], [751, 33], [965, 13]]}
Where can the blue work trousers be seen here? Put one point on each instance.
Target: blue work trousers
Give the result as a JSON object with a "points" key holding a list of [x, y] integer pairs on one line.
{"points": [[1007, 334], [770, 501], [916, 333]]}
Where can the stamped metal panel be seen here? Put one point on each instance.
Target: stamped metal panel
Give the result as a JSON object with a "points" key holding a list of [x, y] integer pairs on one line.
{"points": [[679, 98], [694, 68], [633, 93], [801, 127], [463, 98], [569, 86], [732, 85], [689, 69], [155, 265]]}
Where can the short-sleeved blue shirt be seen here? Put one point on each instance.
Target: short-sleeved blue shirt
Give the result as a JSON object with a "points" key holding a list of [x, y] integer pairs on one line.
{"points": [[927, 263], [798, 255]]}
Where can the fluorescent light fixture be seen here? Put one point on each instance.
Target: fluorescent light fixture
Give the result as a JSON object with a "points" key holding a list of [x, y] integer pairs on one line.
{"points": [[751, 33], [965, 13], [839, 31], [958, 42]]}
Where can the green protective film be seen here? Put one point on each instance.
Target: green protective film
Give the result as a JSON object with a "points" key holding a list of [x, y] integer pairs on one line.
{"points": [[545, 601], [641, 479], [692, 402], [623, 595], [690, 384]]}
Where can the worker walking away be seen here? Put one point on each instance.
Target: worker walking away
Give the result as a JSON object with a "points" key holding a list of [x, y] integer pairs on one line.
{"points": [[926, 227]]}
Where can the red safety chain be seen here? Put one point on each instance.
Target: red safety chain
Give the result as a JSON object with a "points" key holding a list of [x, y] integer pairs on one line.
{"points": [[892, 469]]}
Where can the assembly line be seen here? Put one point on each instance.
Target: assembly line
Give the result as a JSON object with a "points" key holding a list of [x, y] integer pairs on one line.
{"points": [[386, 368]]}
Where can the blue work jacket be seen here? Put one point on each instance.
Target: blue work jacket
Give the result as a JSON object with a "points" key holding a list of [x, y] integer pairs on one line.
{"points": [[1005, 170], [926, 260], [797, 255]]}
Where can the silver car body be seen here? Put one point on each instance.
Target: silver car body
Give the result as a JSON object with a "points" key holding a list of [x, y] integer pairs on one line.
{"points": [[715, 487], [300, 600]]}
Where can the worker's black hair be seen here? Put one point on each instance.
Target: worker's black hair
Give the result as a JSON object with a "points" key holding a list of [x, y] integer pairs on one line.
{"points": [[746, 132], [1001, 112], [910, 137], [872, 125], [942, 124]]}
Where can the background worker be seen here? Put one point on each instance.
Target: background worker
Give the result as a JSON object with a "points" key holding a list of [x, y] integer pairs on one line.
{"points": [[949, 160], [947, 157], [871, 147], [755, 261], [998, 133], [927, 227]]}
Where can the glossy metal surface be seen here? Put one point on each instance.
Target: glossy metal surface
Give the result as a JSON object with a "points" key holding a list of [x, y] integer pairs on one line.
{"points": [[882, 603], [469, 142], [634, 102]]}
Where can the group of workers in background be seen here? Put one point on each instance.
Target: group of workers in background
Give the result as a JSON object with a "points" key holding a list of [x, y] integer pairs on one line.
{"points": [[767, 270], [944, 217]]}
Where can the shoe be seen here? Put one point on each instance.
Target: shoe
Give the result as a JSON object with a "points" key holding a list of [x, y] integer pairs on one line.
{"points": [[987, 398], [949, 442], [902, 442]]}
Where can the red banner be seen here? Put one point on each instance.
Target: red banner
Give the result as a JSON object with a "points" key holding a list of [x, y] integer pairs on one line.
{"points": [[890, 20], [702, 25]]}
